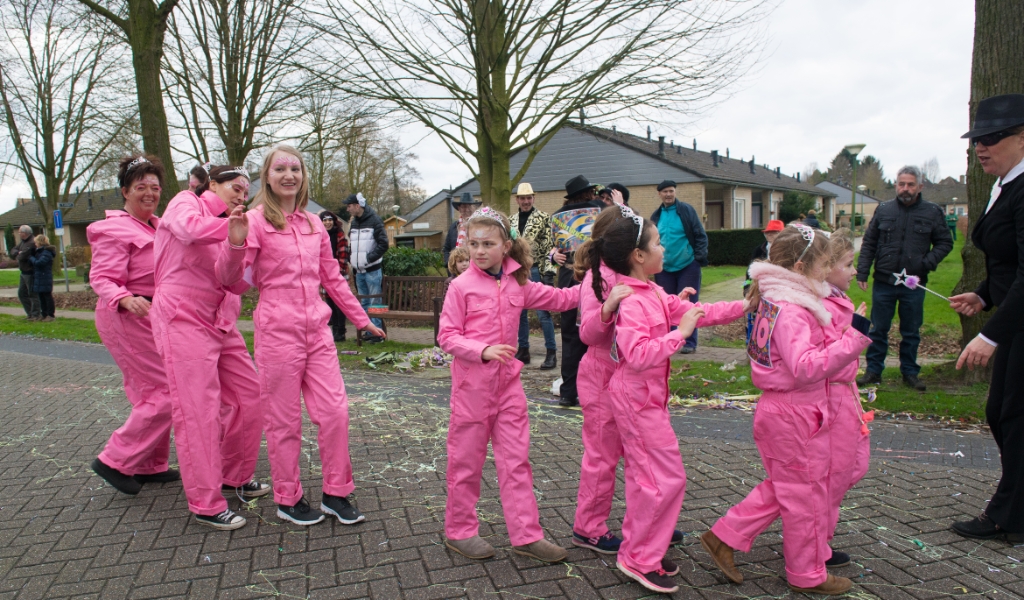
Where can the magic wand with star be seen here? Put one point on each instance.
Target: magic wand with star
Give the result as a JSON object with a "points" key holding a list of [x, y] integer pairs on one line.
{"points": [[913, 282]]}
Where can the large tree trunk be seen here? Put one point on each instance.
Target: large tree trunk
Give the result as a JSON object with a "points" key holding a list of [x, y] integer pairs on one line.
{"points": [[493, 135], [996, 69], [146, 28]]}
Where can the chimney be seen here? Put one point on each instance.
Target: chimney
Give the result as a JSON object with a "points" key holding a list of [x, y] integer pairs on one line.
{"points": [[648, 133], [679, 149], [695, 143], [778, 172], [752, 164], [661, 146], [798, 178], [961, 179], [613, 130], [714, 157], [672, 144], [582, 117], [727, 153]]}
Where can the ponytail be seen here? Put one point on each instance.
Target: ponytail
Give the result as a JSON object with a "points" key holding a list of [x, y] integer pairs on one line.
{"points": [[595, 269]]}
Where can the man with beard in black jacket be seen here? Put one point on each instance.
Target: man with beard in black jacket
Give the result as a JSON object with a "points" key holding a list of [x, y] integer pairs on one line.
{"points": [[906, 236]]}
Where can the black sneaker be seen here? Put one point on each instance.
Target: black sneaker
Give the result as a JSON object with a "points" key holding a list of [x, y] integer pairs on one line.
{"points": [[569, 402], [168, 476], [677, 538], [373, 340], [656, 581], [984, 528], [340, 507], [253, 489], [300, 514], [914, 382], [838, 559], [869, 379], [126, 484], [225, 521], [670, 568], [606, 544]]}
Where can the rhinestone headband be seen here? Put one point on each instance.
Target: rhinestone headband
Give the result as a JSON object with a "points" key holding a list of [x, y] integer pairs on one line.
{"points": [[808, 234], [240, 170], [207, 167], [138, 161], [487, 212], [627, 213]]}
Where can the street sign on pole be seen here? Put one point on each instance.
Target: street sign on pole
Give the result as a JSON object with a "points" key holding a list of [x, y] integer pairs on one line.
{"points": [[65, 205], [58, 221]]}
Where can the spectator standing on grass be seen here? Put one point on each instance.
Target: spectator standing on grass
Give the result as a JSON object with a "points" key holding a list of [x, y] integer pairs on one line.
{"points": [[951, 221], [906, 236], [686, 248], [812, 219], [533, 226], [22, 252], [369, 242], [466, 204], [42, 275], [340, 251]]}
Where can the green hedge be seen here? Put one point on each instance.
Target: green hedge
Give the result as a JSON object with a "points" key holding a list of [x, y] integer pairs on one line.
{"points": [[733, 246], [406, 262]]}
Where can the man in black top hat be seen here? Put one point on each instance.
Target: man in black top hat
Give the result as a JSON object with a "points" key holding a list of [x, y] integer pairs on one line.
{"points": [[466, 204], [579, 194]]}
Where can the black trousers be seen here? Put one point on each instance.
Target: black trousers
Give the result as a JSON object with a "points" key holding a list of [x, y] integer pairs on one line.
{"points": [[337, 320], [1005, 414], [572, 348], [46, 307]]}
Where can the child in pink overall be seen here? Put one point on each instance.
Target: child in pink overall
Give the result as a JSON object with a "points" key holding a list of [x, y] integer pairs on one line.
{"points": [[290, 257], [791, 363], [848, 430], [479, 325], [214, 391], [122, 277], [643, 346]]}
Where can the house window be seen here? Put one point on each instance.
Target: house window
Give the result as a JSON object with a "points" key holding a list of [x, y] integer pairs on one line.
{"points": [[757, 210]]}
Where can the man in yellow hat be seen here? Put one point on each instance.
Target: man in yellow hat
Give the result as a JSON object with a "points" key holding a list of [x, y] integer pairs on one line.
{"points": [[532, 224]]}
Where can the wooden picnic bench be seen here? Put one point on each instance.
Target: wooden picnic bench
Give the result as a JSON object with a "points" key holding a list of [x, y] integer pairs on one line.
{"points": [[409, 299]]}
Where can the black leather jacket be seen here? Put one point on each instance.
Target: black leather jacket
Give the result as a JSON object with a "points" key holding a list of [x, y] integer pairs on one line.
{"points": [[899, 237]]}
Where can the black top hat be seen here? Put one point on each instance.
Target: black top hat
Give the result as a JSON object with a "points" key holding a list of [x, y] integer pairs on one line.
{"points": [[576, 185], [997, 113], [466, 198]]}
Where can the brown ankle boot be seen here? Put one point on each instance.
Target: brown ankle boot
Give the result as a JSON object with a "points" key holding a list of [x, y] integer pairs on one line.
{"points": [[474, 547], [721, 553], [833, 586], [542, 550]]}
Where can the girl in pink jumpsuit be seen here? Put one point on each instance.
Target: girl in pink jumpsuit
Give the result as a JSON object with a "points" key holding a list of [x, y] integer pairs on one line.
{"points": [[479, 325], [290, 257], [212, 381], [850, 438], [791, 362], [643, 346], [122, 277]]}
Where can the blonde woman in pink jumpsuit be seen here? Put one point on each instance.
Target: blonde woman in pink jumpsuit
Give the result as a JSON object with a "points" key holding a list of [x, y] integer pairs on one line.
{"points": [[122, 277], [214, 391], [290, 257]]}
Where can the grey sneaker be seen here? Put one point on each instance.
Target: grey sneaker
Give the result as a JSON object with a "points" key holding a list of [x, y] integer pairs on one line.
{"points": [[300, 514], [340, 507]]}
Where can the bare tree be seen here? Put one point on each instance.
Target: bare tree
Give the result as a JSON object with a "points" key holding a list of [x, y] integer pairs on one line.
{"points": [[61, 106], [489, 76], [930, 169], [233, 73], [143, 24]]}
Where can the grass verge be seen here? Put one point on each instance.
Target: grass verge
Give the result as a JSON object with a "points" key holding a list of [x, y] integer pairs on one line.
{"points": [[11, 279]]}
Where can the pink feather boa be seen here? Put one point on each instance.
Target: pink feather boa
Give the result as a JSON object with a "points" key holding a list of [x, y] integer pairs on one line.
{"points": [[779, 284]]}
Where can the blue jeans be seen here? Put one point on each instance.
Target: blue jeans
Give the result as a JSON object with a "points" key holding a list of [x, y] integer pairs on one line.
{"points": [[884, 298], [370, 283], [675, 281], [545, 322]]}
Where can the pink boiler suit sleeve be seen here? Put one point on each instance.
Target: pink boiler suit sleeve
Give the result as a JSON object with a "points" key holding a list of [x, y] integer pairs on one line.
{"points": [[538, 296], [109, 272], [189, 225], [451, 331], [636, 347], [715, 313], [336, 287], [810, 363], [592, 329]]}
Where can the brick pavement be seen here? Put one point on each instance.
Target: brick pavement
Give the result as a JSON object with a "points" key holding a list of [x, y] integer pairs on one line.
{"points": [[65, 534]]}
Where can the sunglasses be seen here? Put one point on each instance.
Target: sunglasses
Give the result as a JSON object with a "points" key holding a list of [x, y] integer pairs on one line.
{"points": [[991, 139]]}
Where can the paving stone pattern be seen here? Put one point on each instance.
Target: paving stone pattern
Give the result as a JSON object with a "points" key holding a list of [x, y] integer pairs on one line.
{"points": [[65, 534]]}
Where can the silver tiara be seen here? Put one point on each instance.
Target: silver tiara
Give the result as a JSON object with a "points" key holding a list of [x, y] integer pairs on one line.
{"points": [[207, 167], [138, 161], [627, 213], [240, 170]]}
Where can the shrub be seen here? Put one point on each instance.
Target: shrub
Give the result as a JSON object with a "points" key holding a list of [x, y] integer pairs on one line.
{"points": [[406, 262], [78, 255], [733, 246]]}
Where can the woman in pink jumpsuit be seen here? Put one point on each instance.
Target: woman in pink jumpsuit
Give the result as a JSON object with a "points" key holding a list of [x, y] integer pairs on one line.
{"points": [[122, 277], [212, 381], [289, 254], [791, 363], [479, 327]]}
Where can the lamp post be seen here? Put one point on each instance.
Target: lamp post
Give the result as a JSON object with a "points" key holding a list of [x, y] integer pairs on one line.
{"points": [[853, 150], [862, 189]]}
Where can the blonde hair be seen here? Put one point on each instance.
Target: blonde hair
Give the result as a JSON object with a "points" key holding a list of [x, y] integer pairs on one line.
{"points": [[790, 248], [266, 196], [42, 240], [520, 250], [839, 243], [456, 255]]}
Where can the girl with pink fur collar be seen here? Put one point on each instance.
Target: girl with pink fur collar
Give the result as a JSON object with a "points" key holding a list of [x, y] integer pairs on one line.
{"points": [[791, 360]]}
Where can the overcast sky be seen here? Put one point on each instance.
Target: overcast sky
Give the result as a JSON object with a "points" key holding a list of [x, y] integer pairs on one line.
{"points": [[892, 74]]}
